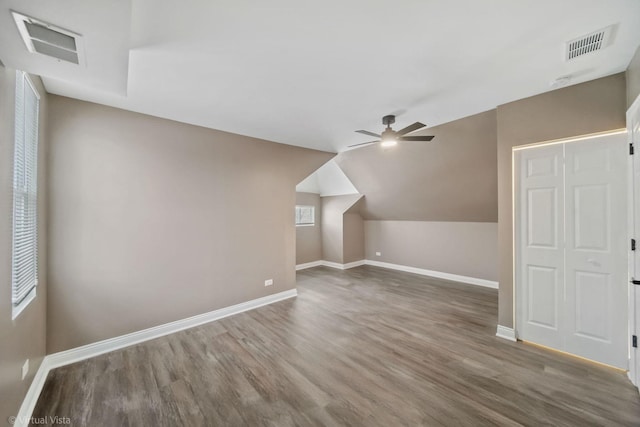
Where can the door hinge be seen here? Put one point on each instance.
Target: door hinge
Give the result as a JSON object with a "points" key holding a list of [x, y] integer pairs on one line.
{"points": [[633, 244], [631, 149], [634, 341]]}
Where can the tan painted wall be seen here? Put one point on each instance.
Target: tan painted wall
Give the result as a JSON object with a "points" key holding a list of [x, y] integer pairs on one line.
{"points": [[452, 178], [333, 210], [633, 78], [590, 107], [463, 248], [153, 220], [25, 336], [412, 188], [309, 238], [353, 235]]}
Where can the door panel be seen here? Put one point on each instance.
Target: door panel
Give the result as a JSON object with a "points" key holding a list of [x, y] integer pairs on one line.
{"points": [[542, 205], [542, 165], [541, 265], [543, 290], [591, 222], [596, 251], [592, 305]]}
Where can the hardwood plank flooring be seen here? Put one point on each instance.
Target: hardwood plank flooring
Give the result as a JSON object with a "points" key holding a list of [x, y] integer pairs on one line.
{"points": [[362, 347]]}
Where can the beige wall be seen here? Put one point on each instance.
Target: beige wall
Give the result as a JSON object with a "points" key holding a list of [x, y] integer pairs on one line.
{"points": [[452, 178], [421, 197], [309, 238], [153, 220], [353, 235], [633, 78], [463, 248], [24, 337], [333, 210], [590, 107]]}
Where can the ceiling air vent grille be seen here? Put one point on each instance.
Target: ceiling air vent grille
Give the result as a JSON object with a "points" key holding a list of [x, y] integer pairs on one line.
{"points": [[592, 42], [46, 39]]}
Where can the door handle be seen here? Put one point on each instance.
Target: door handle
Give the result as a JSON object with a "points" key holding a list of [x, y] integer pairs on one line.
{"points": [[635, 282]]}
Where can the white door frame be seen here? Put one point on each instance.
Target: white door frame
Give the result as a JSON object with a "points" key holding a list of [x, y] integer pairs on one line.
{"points": [[515, 219], [634, 232]]}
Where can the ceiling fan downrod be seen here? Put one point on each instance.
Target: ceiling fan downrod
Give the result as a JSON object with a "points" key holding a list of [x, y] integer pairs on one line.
{"points": [[388, 120]]}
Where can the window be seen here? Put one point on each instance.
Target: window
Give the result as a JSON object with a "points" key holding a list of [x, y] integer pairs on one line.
{"points": [[24, 271], [305, 215]]}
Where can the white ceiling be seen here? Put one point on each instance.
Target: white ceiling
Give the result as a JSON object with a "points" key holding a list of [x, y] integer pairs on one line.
{"points": [[106, 46], [328, 180], [310, 73]]}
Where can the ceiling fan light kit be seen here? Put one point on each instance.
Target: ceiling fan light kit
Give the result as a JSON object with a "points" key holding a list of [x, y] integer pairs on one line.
{"points": [[388, 142], [390, 137]]}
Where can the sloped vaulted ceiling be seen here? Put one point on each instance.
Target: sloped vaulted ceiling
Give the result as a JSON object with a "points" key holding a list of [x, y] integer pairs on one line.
{"points": [[452, 178]]}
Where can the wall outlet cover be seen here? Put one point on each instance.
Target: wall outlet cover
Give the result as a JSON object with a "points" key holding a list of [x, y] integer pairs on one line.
{"points": [[268, 282], [378, 253]]}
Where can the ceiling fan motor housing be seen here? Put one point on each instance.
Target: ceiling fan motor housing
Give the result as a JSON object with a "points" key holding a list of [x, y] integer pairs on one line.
{"points": [[388, 135], [388, 120]]}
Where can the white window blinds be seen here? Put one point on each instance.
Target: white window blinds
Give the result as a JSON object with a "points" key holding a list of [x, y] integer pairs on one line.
{"points": [[25, 232], [305, 215]]}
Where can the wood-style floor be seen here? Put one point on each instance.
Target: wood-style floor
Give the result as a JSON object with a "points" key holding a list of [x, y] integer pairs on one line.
{"points": [[363, 347]]}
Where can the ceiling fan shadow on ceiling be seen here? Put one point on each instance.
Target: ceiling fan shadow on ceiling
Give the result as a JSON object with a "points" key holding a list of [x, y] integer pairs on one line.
{"points": [[390, 137]]}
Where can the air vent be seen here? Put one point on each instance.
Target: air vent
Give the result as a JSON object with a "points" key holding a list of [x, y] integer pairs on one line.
{"points": [[592, 42], [46, 39]]}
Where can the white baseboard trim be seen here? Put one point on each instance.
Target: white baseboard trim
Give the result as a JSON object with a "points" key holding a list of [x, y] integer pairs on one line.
{"points": [[77, 354], [506, 333], [432, 273], [29, 403], [308, 265], [333, 265], [330, 264], [353, 264]]}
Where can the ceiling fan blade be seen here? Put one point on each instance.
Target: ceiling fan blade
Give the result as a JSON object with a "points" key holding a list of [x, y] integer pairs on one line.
{"points": [[417, 138], [363, 143], [366, 132], [411, 128]]}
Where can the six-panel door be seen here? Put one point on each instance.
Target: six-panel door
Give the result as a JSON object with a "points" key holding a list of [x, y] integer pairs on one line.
{"points": [[541, 233]]}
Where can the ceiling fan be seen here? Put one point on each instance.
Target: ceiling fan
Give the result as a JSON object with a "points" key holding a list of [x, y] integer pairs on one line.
{"points": [[390, 137]]}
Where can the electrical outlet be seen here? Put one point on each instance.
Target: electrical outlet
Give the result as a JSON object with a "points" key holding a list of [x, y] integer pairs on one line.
{"points": [[25, 369], [268, 282], [378, 253]]}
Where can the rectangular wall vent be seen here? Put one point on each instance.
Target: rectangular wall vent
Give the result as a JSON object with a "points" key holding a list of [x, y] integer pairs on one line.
{"points": [[592, 42], [46, 39]]}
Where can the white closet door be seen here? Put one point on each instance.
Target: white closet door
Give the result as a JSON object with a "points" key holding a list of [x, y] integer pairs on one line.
{"points": [[596, 249], [541, 236], [572, 246]]}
